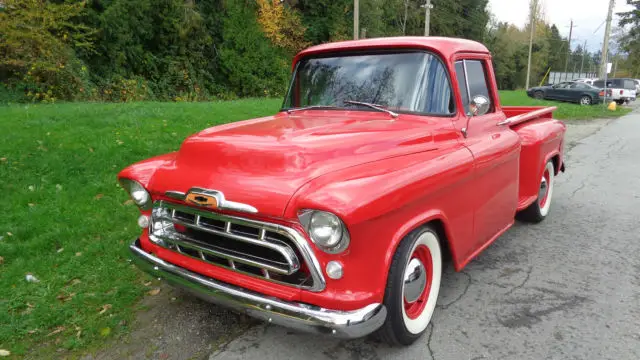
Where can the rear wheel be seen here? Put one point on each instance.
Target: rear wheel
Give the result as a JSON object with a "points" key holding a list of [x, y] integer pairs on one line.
{"points": [[585, 100], [412, 288], [538, 95], [538, 211]]}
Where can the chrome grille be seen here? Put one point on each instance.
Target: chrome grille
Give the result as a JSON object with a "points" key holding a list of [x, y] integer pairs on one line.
{"points": [[265, 250]]}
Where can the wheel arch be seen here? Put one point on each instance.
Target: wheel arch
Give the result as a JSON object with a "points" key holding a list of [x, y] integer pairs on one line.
{"points": [[435, 219]]}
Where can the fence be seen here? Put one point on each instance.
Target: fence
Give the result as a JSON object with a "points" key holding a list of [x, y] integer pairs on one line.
{"points": [[558, 77]]}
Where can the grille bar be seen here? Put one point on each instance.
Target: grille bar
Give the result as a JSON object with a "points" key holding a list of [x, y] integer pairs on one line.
{"points": [[231, 256], [269, 251]]}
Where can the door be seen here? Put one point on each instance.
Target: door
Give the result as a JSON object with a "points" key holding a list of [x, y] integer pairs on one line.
{"points": [[560, 91], [496, 150]]}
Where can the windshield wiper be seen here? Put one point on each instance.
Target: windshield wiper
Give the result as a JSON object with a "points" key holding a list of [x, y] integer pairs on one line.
{"points": [[373, 106], [311, 107]]}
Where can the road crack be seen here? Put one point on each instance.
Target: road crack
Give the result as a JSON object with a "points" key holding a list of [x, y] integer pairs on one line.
{"points": [[519, 286], [464, 292], [433, 357]]}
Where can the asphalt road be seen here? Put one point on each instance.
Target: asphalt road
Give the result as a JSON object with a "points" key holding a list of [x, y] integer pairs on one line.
{"points": [[568, 288]]}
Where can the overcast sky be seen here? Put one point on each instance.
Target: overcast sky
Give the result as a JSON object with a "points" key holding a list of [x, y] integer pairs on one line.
{"points": [[587, 16]]}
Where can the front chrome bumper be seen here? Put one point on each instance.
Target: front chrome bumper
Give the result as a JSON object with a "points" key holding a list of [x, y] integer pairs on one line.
{"points": [[343, 324]]}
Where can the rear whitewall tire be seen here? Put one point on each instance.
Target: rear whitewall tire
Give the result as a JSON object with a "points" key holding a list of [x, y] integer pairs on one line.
{"points": [[539, 209]]}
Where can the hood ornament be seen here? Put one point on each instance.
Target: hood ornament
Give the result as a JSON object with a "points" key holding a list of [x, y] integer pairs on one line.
{"points": [[210, 199]]}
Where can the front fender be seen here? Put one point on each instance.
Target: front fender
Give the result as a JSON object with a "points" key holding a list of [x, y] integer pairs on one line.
{"points": [[143, 171], [380, 202]]}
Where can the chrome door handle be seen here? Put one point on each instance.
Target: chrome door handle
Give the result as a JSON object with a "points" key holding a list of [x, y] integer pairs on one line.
{"points": [[504, 122]]}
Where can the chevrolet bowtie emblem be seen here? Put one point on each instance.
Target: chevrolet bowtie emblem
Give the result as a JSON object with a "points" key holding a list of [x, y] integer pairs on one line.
{"points": [[203, 200], [210, 199]]}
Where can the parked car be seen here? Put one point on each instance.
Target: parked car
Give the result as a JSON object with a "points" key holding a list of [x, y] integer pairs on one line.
{"points": [[334, 215], [622, 90], [578, 92], [637, 82]]}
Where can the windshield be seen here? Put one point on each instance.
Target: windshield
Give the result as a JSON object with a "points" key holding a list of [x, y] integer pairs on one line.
{"points": [[410, 81]]}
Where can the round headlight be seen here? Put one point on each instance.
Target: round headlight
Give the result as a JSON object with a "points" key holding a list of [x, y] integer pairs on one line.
{"points": [[326, 230], [138, 193]]}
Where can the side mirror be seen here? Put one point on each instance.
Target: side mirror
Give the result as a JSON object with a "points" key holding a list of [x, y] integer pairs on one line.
{"points": [[480, 105]]}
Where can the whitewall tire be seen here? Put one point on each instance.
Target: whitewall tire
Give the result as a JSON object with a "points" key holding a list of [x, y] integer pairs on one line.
{"points": [[413, 285]]}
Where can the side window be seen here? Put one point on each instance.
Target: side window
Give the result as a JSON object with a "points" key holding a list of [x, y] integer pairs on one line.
{"points": [[472, 81], [462, 85], [477, 79]]}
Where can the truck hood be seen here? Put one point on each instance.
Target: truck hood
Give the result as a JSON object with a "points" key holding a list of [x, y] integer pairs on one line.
{"points": [[263, 162]]}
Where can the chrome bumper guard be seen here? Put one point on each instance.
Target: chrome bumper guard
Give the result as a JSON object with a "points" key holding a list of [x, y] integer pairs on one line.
{"points": [[307, 318]]}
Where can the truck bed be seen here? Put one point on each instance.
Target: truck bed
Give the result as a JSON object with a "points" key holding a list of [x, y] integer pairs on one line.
{"points": [[520, 114], [541, 139]]}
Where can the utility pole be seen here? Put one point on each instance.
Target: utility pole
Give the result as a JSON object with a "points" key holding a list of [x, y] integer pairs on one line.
{"points": [[427, 16], [584, 52], [356, 19], [566, 64], [605, 44], [532, 24]]}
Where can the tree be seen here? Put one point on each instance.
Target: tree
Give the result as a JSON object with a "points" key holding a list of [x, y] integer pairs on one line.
{"points": [[630, 42], [281, 25], [38, 40]]}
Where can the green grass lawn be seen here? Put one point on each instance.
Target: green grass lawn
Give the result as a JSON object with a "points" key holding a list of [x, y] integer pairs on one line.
{"points": [[65, 221], [566, 111]]}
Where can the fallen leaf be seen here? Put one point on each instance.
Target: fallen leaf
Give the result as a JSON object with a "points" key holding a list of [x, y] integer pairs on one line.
{"points": [[79, 333], [79, 253], [31, 204], [58, 187], [3, 159], [65, 297], [105, 331], [99, 196], [128, 202], [32, 188], [10, 234], [59, 329], [31, 332], [60, 250], [105, 308], [30, 305], [148, 283], [4, 352], [154, 292], [91, 149], [1, 260], [75, 282]]}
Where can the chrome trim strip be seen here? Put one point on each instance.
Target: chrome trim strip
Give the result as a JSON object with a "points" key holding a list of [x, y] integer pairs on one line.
{"points": [[303, 317], [223, 203], [301, 243], [178, 195]]}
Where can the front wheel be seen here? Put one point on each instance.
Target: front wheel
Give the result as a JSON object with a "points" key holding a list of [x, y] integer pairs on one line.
{"points": [[538, 95], [412, 288], [585, 100], [538, 211]]}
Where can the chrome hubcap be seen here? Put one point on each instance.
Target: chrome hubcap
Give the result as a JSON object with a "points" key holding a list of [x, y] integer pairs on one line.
{"points": [[543, 188], [415, 280]]}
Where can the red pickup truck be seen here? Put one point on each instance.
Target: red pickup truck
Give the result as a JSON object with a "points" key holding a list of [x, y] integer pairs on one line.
{"points": [[334, 215]]}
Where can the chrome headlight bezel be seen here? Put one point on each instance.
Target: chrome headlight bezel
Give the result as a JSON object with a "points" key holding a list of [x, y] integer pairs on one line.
{"points": [[313, 220], [138, 193]]}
